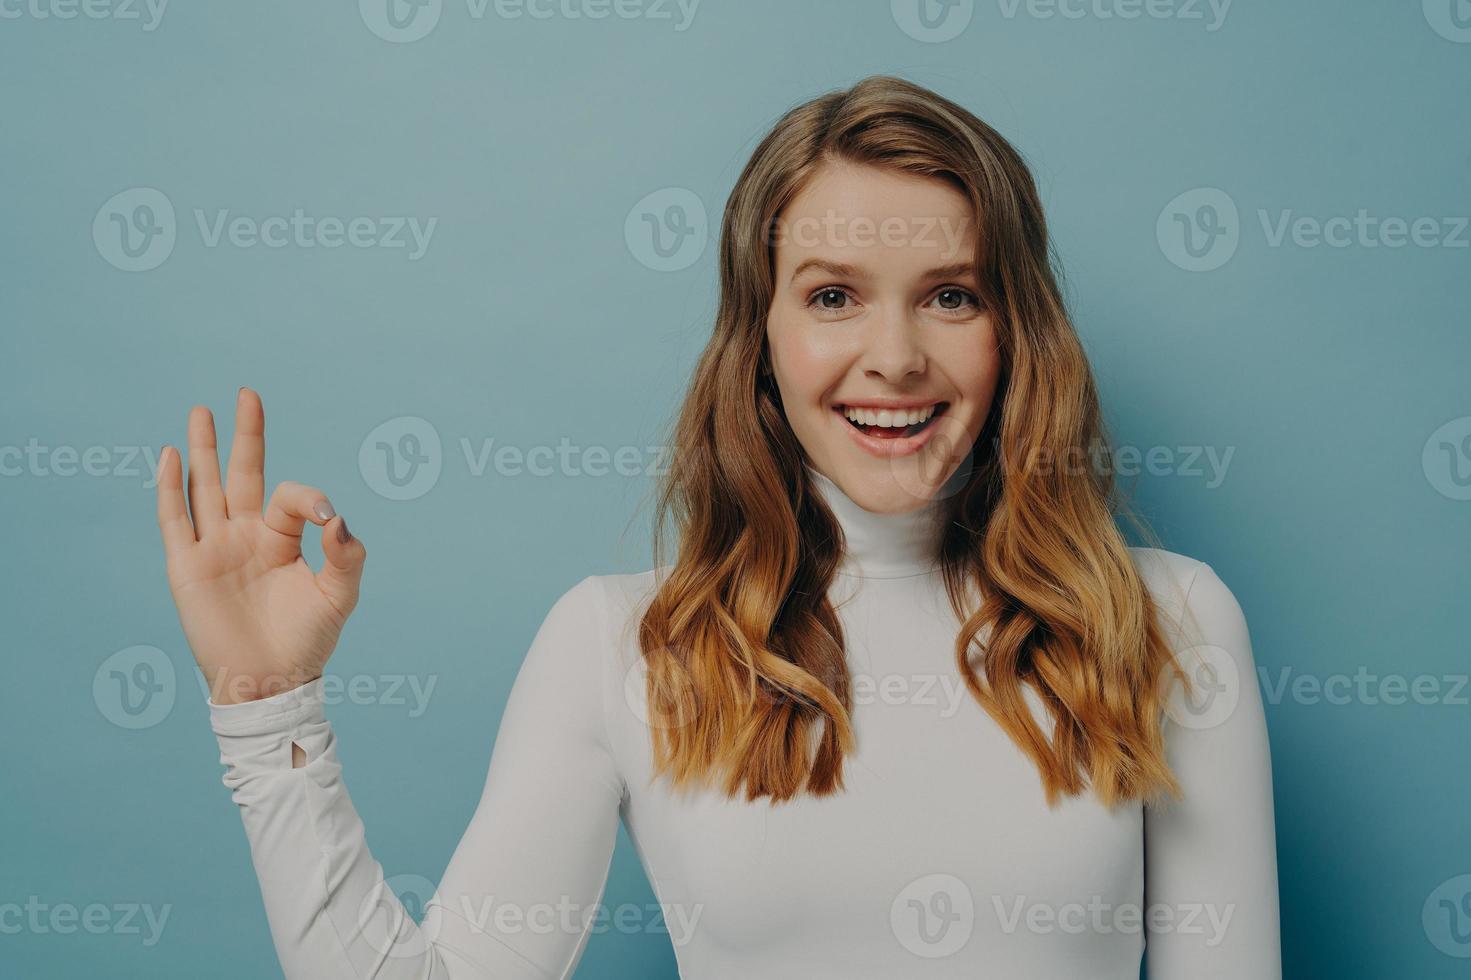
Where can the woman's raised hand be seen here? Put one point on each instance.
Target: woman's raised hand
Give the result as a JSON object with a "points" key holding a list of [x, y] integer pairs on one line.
{"points": [[256, 616]]}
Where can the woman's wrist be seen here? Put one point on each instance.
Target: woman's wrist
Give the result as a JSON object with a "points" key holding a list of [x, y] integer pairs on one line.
{"points": [[243, 689]]}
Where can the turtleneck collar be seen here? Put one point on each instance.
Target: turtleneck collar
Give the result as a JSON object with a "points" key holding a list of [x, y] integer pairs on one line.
{"points": [[884, 545]]}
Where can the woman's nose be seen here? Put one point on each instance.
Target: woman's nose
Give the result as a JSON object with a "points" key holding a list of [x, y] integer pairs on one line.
{"points": [[893, 348]]}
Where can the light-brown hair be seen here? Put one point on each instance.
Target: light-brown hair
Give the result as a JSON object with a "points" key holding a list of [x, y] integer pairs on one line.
{"points": [[745, 654]]}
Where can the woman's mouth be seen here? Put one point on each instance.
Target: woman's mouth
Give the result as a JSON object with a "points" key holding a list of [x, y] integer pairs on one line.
{"points": [[892, 423]]}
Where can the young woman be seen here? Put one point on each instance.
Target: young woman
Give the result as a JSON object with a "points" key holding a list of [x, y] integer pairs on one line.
{"points": [[905, 704]]}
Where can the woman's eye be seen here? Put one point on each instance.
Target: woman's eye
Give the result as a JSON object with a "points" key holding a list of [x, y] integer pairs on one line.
{"points": [[836, 299], [954, 298], [831, 298]]}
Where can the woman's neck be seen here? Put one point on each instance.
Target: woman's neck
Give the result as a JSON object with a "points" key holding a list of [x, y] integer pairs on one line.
{"points": [[884, 545]]}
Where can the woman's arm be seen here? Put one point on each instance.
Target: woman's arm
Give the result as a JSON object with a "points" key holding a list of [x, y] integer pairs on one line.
{"points": [[517, 896], [1210, 867]]}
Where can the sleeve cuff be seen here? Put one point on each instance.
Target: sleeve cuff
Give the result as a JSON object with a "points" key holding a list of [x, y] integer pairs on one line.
{"points": [[278, 713]]}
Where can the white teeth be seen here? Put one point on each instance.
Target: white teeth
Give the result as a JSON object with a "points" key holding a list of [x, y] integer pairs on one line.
{"points": [[889, 418]]}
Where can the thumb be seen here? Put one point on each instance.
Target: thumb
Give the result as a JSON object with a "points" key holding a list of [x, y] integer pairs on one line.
{"points": [[343, 569]]}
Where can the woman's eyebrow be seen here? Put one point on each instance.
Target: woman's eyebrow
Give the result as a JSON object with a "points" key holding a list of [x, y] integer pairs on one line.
{"points": [[846, 271], [841, 269], [954, 270]]}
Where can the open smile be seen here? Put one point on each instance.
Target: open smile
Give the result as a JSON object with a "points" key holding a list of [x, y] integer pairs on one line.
{"points": [[891, 429]]}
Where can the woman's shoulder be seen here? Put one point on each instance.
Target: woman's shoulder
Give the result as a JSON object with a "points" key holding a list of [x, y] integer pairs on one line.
{"points": [[1187, 591], [615, 596], [603, 609], [595, 625], [1160, 568], [1177, 581], [601, 593]]}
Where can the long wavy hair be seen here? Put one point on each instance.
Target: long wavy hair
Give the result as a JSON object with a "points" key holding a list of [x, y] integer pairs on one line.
{"points": [[747, 680]]}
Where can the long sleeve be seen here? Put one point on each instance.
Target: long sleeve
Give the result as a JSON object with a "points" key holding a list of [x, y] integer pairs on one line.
{"points": [[1210, 866], [519, 892]]}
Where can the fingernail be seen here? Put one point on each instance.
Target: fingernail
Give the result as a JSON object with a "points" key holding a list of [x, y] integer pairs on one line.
{"points": [[324, 510], [343, 535]]}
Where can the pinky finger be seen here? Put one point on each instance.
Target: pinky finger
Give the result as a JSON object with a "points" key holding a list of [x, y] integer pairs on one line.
{"points": [[173, 515]]}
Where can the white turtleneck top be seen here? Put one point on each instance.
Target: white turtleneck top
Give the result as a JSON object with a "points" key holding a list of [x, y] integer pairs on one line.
{"points": [[939, 859]]}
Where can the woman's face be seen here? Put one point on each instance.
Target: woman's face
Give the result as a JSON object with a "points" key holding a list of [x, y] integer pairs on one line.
{"points": [[876, 318]]}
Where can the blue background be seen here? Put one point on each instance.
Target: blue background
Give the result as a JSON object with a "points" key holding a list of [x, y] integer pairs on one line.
{"points": [[530, 319]]}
